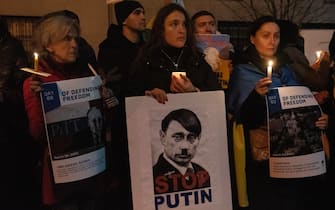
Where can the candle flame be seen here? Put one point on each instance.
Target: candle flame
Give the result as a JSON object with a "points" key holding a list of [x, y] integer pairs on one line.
{"points": [[318, 54], [35, 55], [270, 63]]}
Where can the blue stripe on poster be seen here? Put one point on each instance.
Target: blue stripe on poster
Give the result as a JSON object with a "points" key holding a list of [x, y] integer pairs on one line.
{"points": [[50, 96], [273, 101]]}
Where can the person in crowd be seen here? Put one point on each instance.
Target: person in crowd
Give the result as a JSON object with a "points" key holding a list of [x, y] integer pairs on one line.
{"points": [[121, 46], [152, 19], [55, 40], [86, 51], [180, 136], [116, 53], [171, 48], [204, 22], [330, 131], [331, 47], [248, 86], [315, 76], [20, 153]]}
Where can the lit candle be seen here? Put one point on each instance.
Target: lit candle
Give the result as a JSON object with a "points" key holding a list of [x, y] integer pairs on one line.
{"points": [[269, 69], [178, 73], [36, 61], [318, 54]]}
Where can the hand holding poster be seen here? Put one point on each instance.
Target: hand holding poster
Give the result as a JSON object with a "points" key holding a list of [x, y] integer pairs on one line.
{"points": [[74, 127], [296, 148], [174, 150]]}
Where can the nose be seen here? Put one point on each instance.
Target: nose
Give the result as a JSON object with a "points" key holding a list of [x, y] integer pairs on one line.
{"points": [[273, 39], [208, 28], [184, 145], [182, 29], [74, 43], [142, 15]]}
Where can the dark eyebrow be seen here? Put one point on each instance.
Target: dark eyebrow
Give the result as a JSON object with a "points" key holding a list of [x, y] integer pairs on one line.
{"points": [[178, 133]]}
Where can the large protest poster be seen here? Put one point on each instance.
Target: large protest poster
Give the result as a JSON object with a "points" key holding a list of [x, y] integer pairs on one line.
{"points": [[74, 126], [296, 148], [178, 152], [216, 48]]}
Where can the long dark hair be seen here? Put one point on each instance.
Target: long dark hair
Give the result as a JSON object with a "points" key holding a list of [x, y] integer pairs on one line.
{"points": [[259, 22], [157, 40], [250, 54]]}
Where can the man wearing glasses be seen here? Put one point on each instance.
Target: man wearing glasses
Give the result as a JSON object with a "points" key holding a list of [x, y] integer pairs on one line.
{"points": [[180, 135]]}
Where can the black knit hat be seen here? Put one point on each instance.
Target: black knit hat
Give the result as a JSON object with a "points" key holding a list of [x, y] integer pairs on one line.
{"points": [[124, 8]]}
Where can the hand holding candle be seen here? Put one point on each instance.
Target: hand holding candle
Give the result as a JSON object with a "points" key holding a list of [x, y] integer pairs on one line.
{"points": [[318, 54], [36, 61], [181, 84], [35, 71], [269, 69], [178, 73]]}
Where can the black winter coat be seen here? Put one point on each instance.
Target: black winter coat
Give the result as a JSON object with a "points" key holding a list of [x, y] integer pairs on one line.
{"points": [[12, 57], [115, 56], [154, 71], [20, 155]]}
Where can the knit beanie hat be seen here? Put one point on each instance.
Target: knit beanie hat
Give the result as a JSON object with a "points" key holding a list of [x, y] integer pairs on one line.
{"points": [[124, 8]]}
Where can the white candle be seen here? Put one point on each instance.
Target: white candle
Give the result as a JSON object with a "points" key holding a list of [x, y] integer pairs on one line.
{"points": [[318, 54], [94, 72], [36, 61], [178, 73], [269, 69]]}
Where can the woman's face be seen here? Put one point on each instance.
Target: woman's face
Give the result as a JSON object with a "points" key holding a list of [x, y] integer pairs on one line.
{"points": [[266, 40], [65, 50], [175, 33]]}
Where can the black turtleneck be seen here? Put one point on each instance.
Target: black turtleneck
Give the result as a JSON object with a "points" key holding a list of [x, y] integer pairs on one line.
{"points": [[173, 55]]}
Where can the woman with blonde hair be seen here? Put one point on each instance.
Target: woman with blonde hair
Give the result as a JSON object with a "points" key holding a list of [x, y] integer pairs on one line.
{"points": [[56, 44]]}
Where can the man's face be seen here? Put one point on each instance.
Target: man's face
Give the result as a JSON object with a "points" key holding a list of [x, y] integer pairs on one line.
{"points": [[179, 144], [136, 20], [205, 25]]}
